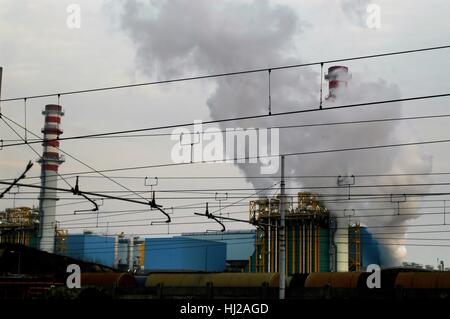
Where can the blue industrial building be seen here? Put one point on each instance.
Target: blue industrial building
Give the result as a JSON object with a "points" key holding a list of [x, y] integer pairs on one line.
{"points": [[240, 244], [206, 252], [89, 247], [370, 253], [184, 254]]}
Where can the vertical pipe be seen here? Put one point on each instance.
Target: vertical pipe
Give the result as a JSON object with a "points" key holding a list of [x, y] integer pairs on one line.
{"points": [[131, 253], [318, 248], [263, 253], [302, 249], [269, 247], [287, 250], [257, 252], [276, 246], [282, 252], [116, 252], [294, 247], [341, 240], [308, 248]]}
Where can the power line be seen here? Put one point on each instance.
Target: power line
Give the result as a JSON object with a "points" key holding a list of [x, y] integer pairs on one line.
{"points": [[174, 243], [242, 118], [31, 147], [272, 156], [368, 121], [201, 77], [170, 240], [71, 156], [121, 223], [214, 177], [251, 230], [335, 198], [235, 191]]}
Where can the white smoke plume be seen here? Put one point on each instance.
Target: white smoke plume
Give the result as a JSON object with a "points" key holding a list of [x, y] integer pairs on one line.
{"points": [[175, 38]]}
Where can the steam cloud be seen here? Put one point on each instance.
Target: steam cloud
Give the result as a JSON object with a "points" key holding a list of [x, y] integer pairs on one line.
{"points": [[176, 37]]}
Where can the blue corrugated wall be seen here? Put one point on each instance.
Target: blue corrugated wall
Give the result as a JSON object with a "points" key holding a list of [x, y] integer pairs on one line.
{"points": [[92, 248], [370, 253], [184, 254]]}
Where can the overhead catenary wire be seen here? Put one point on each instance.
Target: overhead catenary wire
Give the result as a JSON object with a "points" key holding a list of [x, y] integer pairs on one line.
{"points": [[237, 191], [121, 223], [366, 121], [31, 147], [169, 239], [74, 158], [178, 243], [348, 149], [16, 181], [215, 177], [334, 198], [177, 246], [225, 74], [173, 241], [249, 117]]}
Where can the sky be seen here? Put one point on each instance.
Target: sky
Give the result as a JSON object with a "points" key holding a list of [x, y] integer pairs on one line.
{"points": [[138, 41]]}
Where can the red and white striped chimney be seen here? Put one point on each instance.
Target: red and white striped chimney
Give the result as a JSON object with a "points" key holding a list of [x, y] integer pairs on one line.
{"points": [[338, 77], [50, 162]]}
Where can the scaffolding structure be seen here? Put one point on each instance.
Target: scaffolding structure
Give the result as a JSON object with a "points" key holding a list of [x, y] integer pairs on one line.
{"points": [[307, 234], [19, 225]]}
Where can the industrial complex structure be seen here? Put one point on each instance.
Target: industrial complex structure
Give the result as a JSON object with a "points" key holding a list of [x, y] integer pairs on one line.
{"points": [[315, 240], [307, 236], [19, 225], [321, 250]]}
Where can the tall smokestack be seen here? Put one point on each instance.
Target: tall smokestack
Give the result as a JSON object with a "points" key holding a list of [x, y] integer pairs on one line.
{"points": [[338, 77], [49, 168]]}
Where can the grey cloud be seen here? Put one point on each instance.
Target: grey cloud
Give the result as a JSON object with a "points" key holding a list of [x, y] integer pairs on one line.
{"points": [[176, 37]]}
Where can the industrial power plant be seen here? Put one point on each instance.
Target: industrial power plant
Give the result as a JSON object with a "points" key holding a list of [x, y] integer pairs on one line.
{"points": [[296, 245]]}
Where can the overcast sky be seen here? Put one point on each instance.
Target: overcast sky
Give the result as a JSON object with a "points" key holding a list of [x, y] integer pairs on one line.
{"points": [[138, 41]]}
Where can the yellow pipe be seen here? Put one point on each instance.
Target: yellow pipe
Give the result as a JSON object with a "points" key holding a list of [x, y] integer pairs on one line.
{"points": [[315, 247], [308, 248], [257, 252], [301, 247], [271, 251], [318, 248], [263, 253], [287, 251], [293, 249]]}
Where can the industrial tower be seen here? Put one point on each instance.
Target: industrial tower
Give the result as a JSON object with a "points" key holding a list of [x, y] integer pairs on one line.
{"points": [[50, 162]]}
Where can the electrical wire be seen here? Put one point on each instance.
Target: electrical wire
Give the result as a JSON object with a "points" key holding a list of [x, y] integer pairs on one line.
{"points": [[249, 117], [202, 77], [71, 156]]}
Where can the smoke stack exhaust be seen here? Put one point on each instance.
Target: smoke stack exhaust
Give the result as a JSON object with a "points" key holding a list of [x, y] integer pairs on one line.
{"points": [[338, 77], [50, 162]]}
